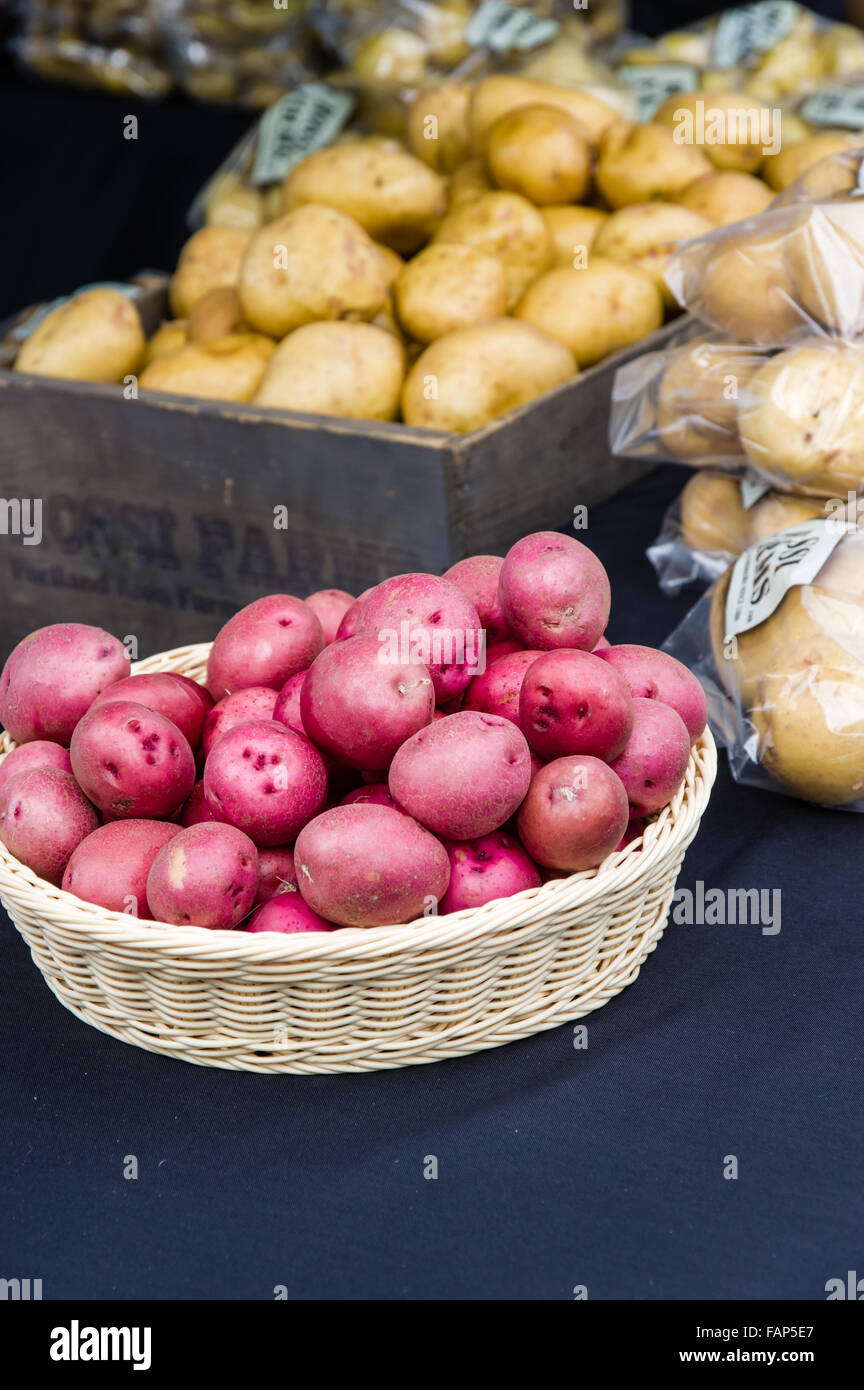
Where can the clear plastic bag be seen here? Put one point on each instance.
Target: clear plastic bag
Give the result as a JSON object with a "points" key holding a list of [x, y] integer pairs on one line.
{"points": [[715, 518], [681, 404], [778, 645], [794, 272], [116, 44], [795, 417]]}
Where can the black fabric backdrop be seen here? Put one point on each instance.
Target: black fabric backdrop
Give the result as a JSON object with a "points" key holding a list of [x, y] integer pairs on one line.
{"points": [[557, 1167]]}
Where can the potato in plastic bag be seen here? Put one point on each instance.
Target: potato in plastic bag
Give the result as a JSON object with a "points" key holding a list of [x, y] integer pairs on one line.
{"points": [[778, 645]]}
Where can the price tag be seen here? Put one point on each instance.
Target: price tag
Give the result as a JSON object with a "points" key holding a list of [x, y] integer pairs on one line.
{"points": [[765, 573], [301, 121], [752, 30], [752, 488], [835, 106], [652, 84], [504, 27]]}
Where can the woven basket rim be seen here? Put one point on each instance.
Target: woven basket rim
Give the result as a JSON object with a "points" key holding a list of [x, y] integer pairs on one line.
{"points": [[100, 926]]}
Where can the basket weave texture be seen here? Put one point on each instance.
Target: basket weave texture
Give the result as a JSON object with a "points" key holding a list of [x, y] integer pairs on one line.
{"points": [[354, 999]]}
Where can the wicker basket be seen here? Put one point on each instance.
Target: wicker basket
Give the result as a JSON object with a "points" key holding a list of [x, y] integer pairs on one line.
{"points": [[360, 1000]]}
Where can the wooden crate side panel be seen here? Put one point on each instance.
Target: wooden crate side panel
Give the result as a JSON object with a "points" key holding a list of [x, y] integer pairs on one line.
{"points": [[160, 519]]}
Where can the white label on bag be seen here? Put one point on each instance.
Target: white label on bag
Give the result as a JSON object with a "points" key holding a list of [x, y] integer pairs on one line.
{"points": [[752, 488], [765, 573], [745, 33], [504, 27], [835, 106], [301, 121], [653, 84]]}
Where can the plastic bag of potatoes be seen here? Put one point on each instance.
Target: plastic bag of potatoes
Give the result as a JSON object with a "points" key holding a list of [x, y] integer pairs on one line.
{"points": [[714, 519], [771, 50], [795, 416], [793, 272], [115, 44], [778, 645], [248, 52]]}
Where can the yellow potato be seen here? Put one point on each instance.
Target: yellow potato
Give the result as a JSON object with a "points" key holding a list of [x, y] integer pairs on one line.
{"points": [[222, 369], [801, 417], [731, 128], [645, 234], [94, 336], [495, 96], [437, 126], [217, 312], [443, 27], [697, 402], [393, 195], [504, 225], [348, 369], [313, 263], [742, 661], [841, 47], [468, 183], [712, 513], [394, 57], [210, 260], [572, 230], [232, 203], [781, 169], [826, 259], [167, 337], [792, 65], [540, 152], [641, 162], [449, 286], [726, 196], [809, 719], [594, 311], [747, 291], [470, 377], [776, 512]]}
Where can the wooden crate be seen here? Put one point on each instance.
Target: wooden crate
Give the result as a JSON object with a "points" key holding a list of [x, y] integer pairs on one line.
{"points": [[163, 515]]}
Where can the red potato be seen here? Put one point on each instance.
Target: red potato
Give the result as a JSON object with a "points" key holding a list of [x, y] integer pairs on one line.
{"points": [[495, 866], [359, 704], [44, 816], [289, 913], [207, 876], [498, 649], [572, 702], [110, 867], [634, 831], [603, 645], [265, 780], [53, 676], [276, 872], [655, 675], [265, 643], [349, 625], [256, 703], [287, 708], [497, 691], [183, 701], [554, 592], [376, 794], [39, 753], [477, 577], [132, 762], [198, 810], [574, 815], [653, 764], [369, 866], [464, 776], [427, 619], [330, 607]]}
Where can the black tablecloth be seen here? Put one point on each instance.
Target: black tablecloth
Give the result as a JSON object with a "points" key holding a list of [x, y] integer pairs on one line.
{"points": [[557, 1167]]}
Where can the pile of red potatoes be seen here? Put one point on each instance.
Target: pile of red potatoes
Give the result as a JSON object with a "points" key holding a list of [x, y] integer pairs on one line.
{"points": [[430, 746]]}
